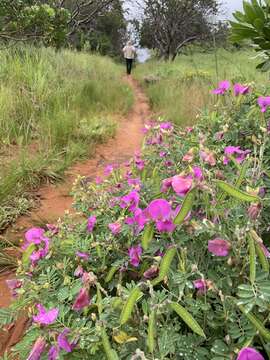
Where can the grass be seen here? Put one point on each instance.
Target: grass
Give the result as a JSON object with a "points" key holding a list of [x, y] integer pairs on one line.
{"points": [[54, 108], [181, 90]]}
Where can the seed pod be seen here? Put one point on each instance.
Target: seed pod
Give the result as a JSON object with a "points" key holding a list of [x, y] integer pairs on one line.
{"points": [[130, 304], [111, 273], [151, 331], [256, 323], [236, 193], [252, 259], [186, 207], [147, 236], [187, 318], [165, 265], [262, 258], [110, 353], [99, 300]]}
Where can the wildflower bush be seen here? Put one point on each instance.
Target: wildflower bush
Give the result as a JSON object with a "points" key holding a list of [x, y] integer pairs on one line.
{"points": [[167, 255]]}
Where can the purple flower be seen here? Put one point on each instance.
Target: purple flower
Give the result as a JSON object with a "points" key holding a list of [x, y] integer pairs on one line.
{"points": [[79, 271], [254, 211], [83, 255], [197, 172], [37, 349], [219, 247], [108, 169], [135, 253], [63, 342], [165, 226], [231, 150], [98, 180], [45, 317], [135, 183], [53, 353], [201, 286], [189, 156], [139, 163], [240, 89], [91, 222], [13, 285], [249, 354], [208, 157], [151, 272], [82, 300], [181, 185], [166, 126], [264, 103], [115, 228], [130, 201], [166, 184], [222, 88], [159, 209], [36, 236]]}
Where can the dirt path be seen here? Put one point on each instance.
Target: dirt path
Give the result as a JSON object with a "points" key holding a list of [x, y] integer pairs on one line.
{"points": [[55, 199]]}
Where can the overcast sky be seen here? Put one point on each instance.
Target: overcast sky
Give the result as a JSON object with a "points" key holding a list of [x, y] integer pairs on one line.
{"points": [[230, 6]]}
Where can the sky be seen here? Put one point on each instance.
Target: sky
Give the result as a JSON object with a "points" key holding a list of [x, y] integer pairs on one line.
{"points": [[230, 6]]}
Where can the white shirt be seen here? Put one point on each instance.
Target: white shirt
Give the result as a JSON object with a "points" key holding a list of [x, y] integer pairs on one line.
{"points": [[129, 52]]}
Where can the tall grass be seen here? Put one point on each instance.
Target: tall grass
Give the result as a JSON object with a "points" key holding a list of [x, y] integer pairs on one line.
{"points": [[180, 90], [54, 107]]}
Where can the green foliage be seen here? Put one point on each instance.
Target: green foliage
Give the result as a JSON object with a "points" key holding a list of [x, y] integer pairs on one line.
{"points": [[253, 25]]}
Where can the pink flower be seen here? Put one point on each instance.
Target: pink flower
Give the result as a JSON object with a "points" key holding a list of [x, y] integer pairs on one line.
{"points": [[249, 354], [13, 285], [130, 201], [108, 169], [83, 255], [189, 156], [197, 172], [115, 228], [53, 229], [37, 349], [36, 236], [240, 89], [222, 88], [208, 157], [166, 126], [219, 247], [189, 129], [91, 222], [181, 185], [165, 226], [254, 211], [264, 103], [135, 253], [139, 219], [63, 342], [45, 317], [231, 150], [201, 286], [82, 300], [159, 209], [98, 180], [79, 271], [166, 184], [135, 183], [151, 272], [53, 353]]}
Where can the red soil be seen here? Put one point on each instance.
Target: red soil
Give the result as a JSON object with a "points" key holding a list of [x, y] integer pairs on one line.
{"points": [[55, 199]]}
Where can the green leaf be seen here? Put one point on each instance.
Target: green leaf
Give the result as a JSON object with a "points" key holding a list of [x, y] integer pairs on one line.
{"points": [[236, 193], [187, 318], [249, 12]]}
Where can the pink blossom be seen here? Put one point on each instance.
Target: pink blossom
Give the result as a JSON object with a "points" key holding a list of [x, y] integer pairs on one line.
{"points": [[166, 184], [231, 150], [240, 89], [139, 219], [189, 129], [82, 300], [36, 236], [115, 228], [162, 154], [197, 172], [98, 180], [219, 247], [135, 183], [189, 156], [83, 255], [201, 286], [13, 285], [53, 229], [151, 272], [63, 341], [222, 88], [79, 271], [264, 103], [249, 354], [45, 317], [130, 201], [165, 226], [37, 349], [166, 126], [135, 253], [254, 211], [208, 157], [181, 185], [159, 209], [53, 353], [91, 222]]}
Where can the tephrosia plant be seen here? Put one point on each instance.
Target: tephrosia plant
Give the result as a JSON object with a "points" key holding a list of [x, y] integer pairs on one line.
{"points": [[167, 255]]}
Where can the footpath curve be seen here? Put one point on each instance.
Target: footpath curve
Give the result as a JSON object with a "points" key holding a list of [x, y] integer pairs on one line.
{"points": [[56, 199]]}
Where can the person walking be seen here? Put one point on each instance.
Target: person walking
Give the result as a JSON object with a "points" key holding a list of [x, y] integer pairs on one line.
{"points": [[129, 54]]}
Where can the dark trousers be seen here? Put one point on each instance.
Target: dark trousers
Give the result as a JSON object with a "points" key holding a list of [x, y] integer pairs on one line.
{"points": [[129, 65]]}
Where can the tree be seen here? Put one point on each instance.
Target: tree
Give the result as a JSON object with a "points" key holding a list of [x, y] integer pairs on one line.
{"points": [[168, 25], [52, 22], [253, 26]]}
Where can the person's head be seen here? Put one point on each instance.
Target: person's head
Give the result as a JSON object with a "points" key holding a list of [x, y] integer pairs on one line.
{"points": [[129, 43]]}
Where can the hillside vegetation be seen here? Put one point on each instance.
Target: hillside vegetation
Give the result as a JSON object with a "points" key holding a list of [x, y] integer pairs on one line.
{"points": [[180, 90], [54, 106]]}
